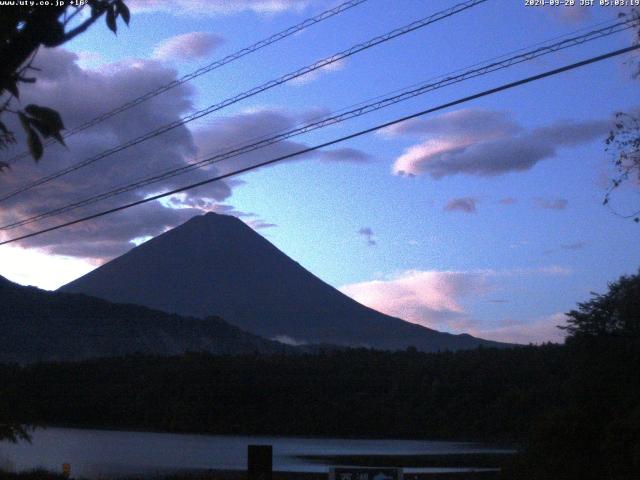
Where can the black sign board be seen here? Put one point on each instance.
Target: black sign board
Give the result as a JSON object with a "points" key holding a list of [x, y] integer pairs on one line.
{"points": [[260, 462], [365, 473]]}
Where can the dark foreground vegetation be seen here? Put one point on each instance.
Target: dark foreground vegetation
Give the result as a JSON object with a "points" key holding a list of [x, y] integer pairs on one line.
{"points": [[572, 405], [574, 409], [473, 394]]}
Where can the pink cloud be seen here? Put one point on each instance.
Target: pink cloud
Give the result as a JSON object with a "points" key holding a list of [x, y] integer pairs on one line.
{"points": [[428, 298], [441, 300], [189, 46]]}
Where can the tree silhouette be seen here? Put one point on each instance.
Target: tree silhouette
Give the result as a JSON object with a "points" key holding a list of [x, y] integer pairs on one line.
{"points": [[615, 313], [23, 30], [623, 141]]}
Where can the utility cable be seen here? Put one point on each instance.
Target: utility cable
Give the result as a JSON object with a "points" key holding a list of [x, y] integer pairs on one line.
{"points": [[254, 91], [360, 133], [201, 71], [333, 120]]}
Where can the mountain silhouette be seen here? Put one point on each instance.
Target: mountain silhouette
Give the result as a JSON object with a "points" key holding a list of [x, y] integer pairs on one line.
{"points": [[216, 265], [39, 325]]}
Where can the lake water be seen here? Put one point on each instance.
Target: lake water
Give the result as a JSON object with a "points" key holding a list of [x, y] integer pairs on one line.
{"points": [[100, 453]]}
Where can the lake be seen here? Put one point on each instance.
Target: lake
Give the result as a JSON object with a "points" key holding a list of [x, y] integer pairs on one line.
{"points": [[102, 453]]}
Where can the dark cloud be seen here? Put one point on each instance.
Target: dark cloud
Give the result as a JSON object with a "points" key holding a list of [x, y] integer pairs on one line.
{"points": [[551, 203], [573, 246], [367, 232], [487, 144], [466, 205], [345, 155], [472, 122], [82, 94]]}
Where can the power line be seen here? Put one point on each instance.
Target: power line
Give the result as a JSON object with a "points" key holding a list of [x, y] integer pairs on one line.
{"points": [[334, 119], [206, 69], [254, 91], [485, 93]]}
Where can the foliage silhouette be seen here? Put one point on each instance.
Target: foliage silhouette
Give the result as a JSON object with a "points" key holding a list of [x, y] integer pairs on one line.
{"points": [[623, 142], [23, 30]]}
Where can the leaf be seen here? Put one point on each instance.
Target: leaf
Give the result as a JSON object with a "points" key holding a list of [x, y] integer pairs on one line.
{"points": [[111, 19], [33, 140], [41, 127], [53, 34], [10, 85], [123, 10], [35, 144], [47, 115]]}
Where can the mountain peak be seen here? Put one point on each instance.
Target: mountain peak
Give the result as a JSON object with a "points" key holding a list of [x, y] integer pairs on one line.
{"points": [[212, 219], [215, 264]]}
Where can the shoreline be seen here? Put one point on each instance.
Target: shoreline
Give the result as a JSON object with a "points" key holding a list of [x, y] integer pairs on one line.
{"points": [[242, 475], [501, 444]]}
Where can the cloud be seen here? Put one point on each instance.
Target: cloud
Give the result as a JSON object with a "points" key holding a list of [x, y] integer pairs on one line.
{"points": [[484, 143], [345, 155], [260, 224], [429, 298], [81, 94], [217, 7], [466, 205], [437, 299], [316, 74], [287, 340], [573, 14], [243, 128], [551, 203], [368, 234], [468, 123], [508, 201], [538, 331], [59, 270], [189, 46]]}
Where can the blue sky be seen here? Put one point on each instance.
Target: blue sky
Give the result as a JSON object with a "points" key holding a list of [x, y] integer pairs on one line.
{"points": [[498, 230]]}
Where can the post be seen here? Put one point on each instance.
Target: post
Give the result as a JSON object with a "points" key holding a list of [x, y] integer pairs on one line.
{"points": [[260, 462]]}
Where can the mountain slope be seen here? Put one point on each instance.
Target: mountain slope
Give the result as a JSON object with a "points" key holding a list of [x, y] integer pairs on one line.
{"points": [[38, 325], [215, 264]]}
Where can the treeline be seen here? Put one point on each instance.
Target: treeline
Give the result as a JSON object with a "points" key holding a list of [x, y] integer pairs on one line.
{"points": [[485, 393], [574, 408]]}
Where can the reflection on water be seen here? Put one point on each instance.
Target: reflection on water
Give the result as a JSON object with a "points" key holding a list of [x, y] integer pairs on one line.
{"points": [[99, 453]]}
